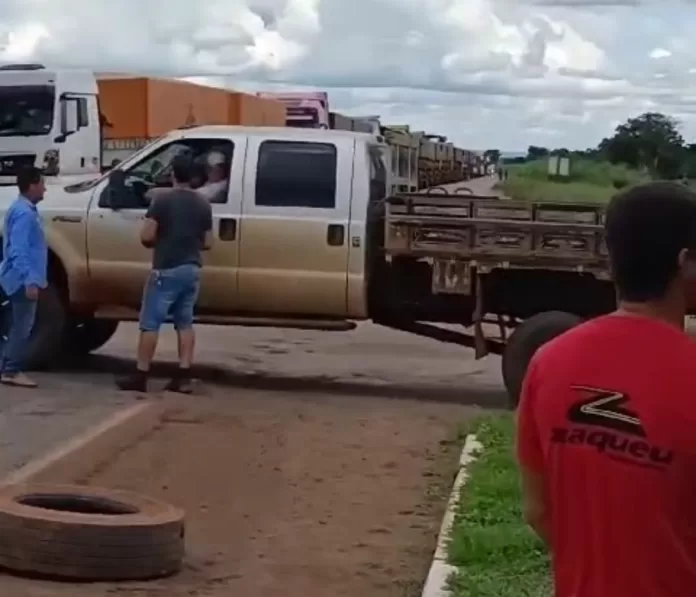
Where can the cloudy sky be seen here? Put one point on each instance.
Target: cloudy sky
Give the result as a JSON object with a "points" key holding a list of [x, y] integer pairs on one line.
{"points": [[486, 73]]}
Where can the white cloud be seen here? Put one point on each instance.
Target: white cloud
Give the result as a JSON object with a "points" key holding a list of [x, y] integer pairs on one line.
{"points": [[506, 73], [659, 53]]}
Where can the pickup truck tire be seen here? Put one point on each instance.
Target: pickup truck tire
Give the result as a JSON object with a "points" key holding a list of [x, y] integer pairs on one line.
{"points": [[45, 342], [85, 336], [523, 343], [86, 533]]}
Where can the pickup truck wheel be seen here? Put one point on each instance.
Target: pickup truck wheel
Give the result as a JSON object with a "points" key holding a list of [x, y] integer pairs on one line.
{"points": [[523, 343], [85, 336], [45, 341]]}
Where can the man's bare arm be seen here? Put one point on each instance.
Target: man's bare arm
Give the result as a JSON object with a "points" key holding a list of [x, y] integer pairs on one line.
{"points": [[208, 227], [208, 240], [530, 458], [534, 506], [148, 232]]}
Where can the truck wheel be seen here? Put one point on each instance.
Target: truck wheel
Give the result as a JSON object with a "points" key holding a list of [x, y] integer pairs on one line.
{"points": [[83, 337], [45, 342], [525, 340]]}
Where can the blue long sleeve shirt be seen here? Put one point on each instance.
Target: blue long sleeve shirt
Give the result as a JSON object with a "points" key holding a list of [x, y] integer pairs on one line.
{"points": [[24, 250]]}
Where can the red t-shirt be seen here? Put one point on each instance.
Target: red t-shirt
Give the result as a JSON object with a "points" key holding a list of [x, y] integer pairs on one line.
{"points": [[608, 417]]}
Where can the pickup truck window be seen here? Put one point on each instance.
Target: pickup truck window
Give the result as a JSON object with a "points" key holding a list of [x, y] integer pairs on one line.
{"points": [[212, 177], [82, 112], [296, 174]]}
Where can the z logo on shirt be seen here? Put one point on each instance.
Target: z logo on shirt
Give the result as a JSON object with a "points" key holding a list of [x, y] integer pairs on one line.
{"points": [[602, 420], [605, 408]]}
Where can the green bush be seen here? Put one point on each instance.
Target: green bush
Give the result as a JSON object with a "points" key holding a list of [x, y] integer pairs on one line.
{"points": [[589, 181]]}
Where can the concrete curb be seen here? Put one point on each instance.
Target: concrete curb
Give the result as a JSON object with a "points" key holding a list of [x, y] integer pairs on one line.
{"points": [[67, 461], [440, 569]]}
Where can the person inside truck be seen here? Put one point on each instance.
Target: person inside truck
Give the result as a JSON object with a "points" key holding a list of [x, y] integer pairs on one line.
{"points": [[199, 175], [605, 430], [217, 183]]}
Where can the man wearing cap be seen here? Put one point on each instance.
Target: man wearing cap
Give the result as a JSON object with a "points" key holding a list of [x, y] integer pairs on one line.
{"points": [[217, 183]]}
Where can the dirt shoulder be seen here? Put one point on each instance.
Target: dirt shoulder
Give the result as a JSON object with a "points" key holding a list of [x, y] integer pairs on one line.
{"points": [[289, 495]]}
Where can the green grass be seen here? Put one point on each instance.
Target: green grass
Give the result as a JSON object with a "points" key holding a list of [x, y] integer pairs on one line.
{"points": [[589, 182], [496, 553]]}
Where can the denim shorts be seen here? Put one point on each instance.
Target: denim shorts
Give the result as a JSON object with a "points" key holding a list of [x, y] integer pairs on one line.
{"points": [[170, 293]]}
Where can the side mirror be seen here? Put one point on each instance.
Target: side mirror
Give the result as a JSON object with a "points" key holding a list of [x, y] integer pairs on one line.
{"points": [[113, 194], [69, 121]]}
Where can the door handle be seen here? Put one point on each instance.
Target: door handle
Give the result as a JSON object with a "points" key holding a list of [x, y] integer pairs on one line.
{"points": [[227, 229], [336, 235]]}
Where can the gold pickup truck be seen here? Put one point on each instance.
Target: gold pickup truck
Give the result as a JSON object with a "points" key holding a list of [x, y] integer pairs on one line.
{"points": [[304, 237]]}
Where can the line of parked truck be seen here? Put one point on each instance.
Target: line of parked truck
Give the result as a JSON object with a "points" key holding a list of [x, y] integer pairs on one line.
{"points": [[317, 229], [78, 123]]}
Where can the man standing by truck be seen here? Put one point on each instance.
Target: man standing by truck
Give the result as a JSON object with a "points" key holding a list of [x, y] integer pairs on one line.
{"points": [[606, 422], [22, 273], [177, 226]]}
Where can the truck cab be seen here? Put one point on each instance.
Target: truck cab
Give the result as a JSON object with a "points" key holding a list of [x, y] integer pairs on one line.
{"points": [[289, 231], [290, 248], [50, 119]]}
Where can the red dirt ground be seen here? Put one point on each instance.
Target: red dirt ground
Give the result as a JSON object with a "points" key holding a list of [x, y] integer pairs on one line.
{"points": [[288, 495]]}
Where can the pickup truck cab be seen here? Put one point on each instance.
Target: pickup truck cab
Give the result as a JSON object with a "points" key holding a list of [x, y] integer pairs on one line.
{"points": [[290, 246]]}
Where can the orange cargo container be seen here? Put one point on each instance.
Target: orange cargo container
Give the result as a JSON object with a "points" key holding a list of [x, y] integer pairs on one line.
{"points": [[251, 110], [142, 108]]}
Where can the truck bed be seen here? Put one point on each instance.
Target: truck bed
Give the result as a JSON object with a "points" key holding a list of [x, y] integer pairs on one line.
{"points": [[490, 233]]}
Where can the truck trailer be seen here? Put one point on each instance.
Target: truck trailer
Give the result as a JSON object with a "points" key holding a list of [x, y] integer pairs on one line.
{"points": [[304, 109], [78, 123]]}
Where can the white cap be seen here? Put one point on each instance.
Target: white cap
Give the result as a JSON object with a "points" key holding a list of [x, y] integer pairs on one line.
{"points": [[216, 158]]}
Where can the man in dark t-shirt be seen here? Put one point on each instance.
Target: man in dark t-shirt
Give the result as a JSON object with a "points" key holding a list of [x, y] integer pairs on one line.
{"points": [[607, 419], [178, 227]]}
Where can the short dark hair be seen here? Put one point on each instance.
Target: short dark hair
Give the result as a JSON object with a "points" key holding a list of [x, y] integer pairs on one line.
{"points": [[27, 177], [182, 168], [647, 226]]}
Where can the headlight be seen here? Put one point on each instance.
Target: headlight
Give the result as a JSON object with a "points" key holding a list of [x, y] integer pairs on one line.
{"points": [[51, 162]]}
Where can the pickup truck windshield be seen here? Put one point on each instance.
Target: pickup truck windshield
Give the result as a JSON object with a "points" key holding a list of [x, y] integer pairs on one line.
{"points": [[26, 110]]}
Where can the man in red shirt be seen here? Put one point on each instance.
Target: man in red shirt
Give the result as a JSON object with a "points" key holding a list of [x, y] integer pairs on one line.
{"points": [[607, 420]]}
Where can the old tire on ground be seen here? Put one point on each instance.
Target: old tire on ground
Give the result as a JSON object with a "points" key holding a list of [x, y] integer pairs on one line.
{"points": [[46, 340], [83, 337], [525, 340], [89, 534]]}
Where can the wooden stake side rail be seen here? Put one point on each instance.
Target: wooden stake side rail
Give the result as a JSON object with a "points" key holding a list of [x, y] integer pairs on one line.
{"points": [[497, 232]]}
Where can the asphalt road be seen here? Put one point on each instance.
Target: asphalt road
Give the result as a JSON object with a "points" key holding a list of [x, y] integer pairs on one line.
{"points": [[370, 361]]}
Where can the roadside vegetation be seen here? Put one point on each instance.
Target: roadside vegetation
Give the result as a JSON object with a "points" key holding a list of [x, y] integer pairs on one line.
{"points": [[496, 553], [647, 147], [589, 181]]}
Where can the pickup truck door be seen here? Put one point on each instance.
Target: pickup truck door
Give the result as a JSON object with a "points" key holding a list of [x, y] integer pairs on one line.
{"points": [[295, 227], [119, 264]]}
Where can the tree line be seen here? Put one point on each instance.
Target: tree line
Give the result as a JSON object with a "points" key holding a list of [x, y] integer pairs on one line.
{"points": [[650, 142]]}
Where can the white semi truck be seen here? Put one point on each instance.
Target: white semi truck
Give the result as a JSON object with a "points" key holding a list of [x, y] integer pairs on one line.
{"points": [[77, 124], [50, 119]]}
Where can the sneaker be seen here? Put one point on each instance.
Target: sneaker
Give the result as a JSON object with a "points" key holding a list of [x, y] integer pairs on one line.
{"points": [[19, 380], [180, 383], [136, 382]]}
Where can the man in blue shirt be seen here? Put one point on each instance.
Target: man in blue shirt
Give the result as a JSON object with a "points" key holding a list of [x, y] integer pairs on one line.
{"points": [[23, 272]]}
